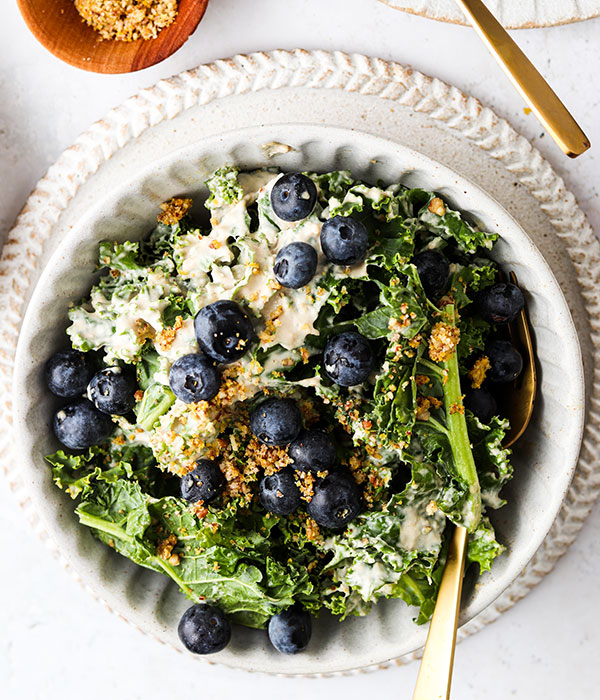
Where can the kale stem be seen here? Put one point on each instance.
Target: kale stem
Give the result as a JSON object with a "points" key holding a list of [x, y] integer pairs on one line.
{"points": [[119, 533], [431, 366], [103, 525], [157, 400], [458, 434], [438, 426], [407, 582]]}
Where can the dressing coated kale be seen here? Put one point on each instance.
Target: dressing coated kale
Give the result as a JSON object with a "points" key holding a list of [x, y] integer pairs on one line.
{"points": [[421, 458]]}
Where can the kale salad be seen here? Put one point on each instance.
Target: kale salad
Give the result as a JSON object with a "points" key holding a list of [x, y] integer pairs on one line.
{"points": [[284, 409]]}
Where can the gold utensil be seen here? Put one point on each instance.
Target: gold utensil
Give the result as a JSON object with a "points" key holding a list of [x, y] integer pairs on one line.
{"points": [[435, 673], [536, 92], [518, 403]]}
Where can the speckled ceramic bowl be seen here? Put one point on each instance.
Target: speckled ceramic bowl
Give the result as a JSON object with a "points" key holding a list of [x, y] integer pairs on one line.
{"points": [[544, 458]]}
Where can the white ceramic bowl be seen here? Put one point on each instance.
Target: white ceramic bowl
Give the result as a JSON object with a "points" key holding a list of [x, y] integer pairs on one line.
{"points": [[544, 458]]}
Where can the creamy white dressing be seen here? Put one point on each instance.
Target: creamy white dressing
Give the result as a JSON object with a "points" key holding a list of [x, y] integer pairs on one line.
{"points": [[368, 578], [274, 148], [252, 183], [419, 531]]}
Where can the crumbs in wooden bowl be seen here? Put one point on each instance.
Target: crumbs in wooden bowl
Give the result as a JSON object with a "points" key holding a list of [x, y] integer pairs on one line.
{"points": [[128, 20]]}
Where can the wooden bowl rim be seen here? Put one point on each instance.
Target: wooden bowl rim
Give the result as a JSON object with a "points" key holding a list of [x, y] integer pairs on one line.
{"points": [[110, 56]]}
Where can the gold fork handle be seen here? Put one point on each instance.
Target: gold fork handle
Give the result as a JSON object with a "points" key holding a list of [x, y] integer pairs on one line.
{"points": [[435, 673], [531, 85]]}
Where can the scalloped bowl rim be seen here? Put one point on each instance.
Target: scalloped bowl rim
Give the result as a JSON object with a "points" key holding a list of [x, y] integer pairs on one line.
{"points": [[464, 194]]}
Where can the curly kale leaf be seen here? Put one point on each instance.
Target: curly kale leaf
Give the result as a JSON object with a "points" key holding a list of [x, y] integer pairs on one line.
{"points": [[483, 547], [227, 558], [74, 473], [178, 306], [333, 184], [467, 280], [451, 225], [78, 474], [474, 332], [493, 460], [391, 552], [224, 188], [126, 266], [398, 313]]}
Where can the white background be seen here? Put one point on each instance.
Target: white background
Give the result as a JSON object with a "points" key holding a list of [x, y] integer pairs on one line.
{"points": [[55, 641]]}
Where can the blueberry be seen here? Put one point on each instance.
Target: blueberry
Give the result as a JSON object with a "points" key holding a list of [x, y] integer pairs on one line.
{"points": [[223, 330], [194, 378], [80, 425], [279, 493], [293, 197], [348, 358], [204, 483], [204, 629], [344, 240], [295, 265], [312, 450], [290, 631], [276, 421], [112, 390], [434, 271], [336, 501], [68, 373], [505, 360], [501, 303], [481, 404]]}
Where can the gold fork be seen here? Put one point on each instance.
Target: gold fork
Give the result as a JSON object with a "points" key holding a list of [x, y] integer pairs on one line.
{"points": [[435, 673], [532, 87]]}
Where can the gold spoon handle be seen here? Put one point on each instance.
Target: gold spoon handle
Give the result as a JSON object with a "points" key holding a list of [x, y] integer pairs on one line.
{"points": [[435, 673], [531, 85]]}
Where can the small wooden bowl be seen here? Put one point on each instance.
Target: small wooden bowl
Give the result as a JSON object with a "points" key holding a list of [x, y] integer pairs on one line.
{"points": [[58, 26]]}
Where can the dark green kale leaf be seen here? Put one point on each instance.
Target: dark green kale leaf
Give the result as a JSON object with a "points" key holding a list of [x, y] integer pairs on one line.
{"points": [[452, 225], [390, 552], [333, 184], [474, 332], [224, 187], [227, 557], [493, 460], [467, 280], [178, 306], [483, 547]]}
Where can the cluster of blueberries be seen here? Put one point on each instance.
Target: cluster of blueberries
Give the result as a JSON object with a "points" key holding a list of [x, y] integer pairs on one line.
{"points": [[499, 304], [204, 629], [344, 240], [224, 332], [336, 498]]}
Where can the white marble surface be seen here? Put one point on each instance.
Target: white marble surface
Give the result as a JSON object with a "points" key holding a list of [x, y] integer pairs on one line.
{"points": [[55, 641]]}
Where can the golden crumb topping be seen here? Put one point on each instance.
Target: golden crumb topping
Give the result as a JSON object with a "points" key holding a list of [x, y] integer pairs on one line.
{"points": [[165, 550], [305, 481], [165, 338], [443, 342], [457, 408], [174, 210], [437, 206], [128, 20], [312, 530], [270, 458], [433, 401], [143, 330], [478, 371], [422, 410], [271, 325]]}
